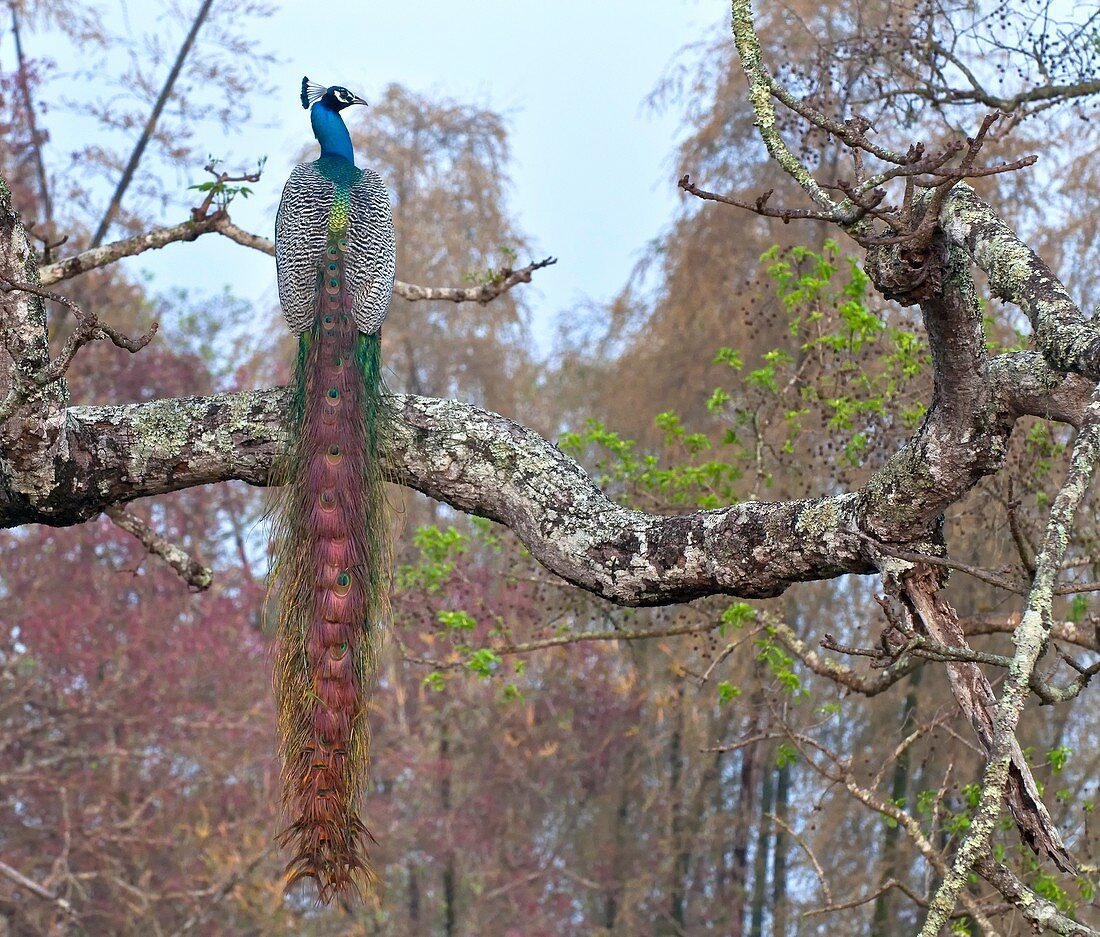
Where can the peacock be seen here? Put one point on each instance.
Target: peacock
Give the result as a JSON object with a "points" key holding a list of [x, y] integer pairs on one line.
{"points": [[335, 258]]}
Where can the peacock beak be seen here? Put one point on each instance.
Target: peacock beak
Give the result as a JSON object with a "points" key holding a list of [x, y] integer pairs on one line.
{"points": [[355, 99]]}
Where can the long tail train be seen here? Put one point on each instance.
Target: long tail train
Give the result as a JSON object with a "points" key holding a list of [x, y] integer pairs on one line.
{"points": [[330, 555]]}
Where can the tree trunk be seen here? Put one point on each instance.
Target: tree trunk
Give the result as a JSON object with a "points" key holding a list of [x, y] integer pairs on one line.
{"points": [[614, 891], [679, 850], [779, 864], [760, 860], [449, 911], [882, 924], [737, 872]]}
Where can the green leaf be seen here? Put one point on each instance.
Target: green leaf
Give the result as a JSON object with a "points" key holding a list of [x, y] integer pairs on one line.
{"points": [[434, 681], [727, 691], [737, 616], [458, 621], [483, 662]]}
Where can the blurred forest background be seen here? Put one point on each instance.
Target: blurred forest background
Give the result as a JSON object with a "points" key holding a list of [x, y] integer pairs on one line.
{"points": [[527, 779]]}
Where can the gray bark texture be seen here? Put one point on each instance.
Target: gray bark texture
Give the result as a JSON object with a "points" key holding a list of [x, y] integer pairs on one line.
{"points": [[63, 464]]}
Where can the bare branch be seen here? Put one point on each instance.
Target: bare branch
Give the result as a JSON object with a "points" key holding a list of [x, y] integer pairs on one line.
{"points": [[32, 119], [809, 853], [1029, 638], [89, 329], [1068, 631], [1041, 912], [97, 256], [191, 570], [486, 292], [18, 878], [561, 640], [840, 771], [220, 223], [150, 126]]}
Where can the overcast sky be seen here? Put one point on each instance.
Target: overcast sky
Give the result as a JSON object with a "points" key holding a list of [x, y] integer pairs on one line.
{"points": [[592, 182]]}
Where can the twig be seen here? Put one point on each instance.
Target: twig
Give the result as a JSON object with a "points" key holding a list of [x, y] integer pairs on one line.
{"points": [[576, 638], [985, 575], [217, 189], [219, 893], [1023, 547], [88, 330], [191, 570], [863, 899], [743, 743], [841, 773], [864, 685], [14, 875], [810, 854]]}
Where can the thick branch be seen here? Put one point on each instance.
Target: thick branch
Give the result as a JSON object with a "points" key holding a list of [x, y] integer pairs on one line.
{"points": [[487, 465], [1016, 274]]}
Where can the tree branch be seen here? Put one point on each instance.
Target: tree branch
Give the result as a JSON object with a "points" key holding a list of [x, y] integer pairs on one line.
{"points": [[150, 125], [484, 464], [1042, 913], [220, 223], [1030, 637], [191, 570], [19, 879], [1068, 341], [32, 120], [88, 329]]}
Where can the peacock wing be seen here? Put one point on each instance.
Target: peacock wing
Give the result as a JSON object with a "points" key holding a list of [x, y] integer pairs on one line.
{"points": [[301, 232], [371, 252]]}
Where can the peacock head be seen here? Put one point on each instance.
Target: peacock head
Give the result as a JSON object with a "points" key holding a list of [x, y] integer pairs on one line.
{"points": [[337, 97]]}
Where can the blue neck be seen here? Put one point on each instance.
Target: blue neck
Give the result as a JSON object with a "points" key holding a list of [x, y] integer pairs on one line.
{"points": [[328, 127]]}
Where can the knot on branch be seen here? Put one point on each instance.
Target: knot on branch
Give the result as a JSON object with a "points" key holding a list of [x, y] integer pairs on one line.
{"points": [[909, 273]]}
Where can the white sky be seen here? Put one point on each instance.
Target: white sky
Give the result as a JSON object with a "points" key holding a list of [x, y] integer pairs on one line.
{"points": [[592, 182]]}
